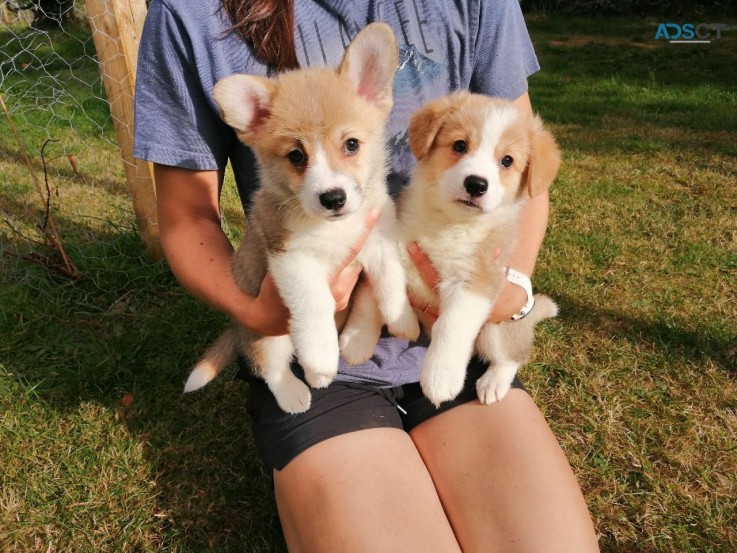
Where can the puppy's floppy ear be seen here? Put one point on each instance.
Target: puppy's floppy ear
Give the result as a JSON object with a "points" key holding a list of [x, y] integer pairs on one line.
{"points": [[370, 63], [425, 124], [544, 159], [244, 102]]}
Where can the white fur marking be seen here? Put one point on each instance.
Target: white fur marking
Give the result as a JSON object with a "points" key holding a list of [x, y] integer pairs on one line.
{"points": [[481, 162], [321, 177], [302, 281], [462, 313]]}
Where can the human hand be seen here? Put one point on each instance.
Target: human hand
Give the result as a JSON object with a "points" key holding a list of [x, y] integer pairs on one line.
{"points": [[270, 317], [346, 277], [510, 301]]}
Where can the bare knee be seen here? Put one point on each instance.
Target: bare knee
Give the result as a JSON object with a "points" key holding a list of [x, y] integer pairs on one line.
{"points": [[365, 491], [503, 479]]}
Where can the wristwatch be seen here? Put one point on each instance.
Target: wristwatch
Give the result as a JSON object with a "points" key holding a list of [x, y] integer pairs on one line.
{"points": [[522, 280]]}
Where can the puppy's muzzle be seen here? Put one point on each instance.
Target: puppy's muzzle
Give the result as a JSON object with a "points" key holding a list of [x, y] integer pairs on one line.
{"points": [[333, 199], [475, 186]]}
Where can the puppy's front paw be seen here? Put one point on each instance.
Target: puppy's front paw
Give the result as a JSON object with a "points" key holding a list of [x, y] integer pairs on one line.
{"points": [[494, 385], [441, 381], [292, 395], [406, 326], [319, 370], [319, 358]]}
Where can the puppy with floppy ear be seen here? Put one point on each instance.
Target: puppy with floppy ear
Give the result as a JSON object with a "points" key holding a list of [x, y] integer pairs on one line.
{"points": [[478, 160], [318, 136]]}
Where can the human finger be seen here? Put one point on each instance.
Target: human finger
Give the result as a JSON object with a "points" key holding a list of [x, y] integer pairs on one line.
{"points": [[271, 313], [343, 284]]}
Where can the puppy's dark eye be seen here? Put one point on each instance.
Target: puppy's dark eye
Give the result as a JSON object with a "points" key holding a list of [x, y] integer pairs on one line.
{"points": [[297, 157], [460, 146], [351, 146], [507, 161]]}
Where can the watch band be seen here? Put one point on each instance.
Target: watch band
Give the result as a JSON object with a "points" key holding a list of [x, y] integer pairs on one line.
{"points": [[522, 280]]}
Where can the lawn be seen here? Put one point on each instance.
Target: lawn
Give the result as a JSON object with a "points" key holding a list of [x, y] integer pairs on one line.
{"points": [[101, 452]]}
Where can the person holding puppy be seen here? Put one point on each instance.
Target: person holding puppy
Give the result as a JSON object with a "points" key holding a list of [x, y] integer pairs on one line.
{"points": [[372, 465]]}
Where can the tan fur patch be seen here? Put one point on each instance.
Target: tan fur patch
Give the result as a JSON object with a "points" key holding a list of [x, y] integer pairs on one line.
{"points": [[544, 159]]}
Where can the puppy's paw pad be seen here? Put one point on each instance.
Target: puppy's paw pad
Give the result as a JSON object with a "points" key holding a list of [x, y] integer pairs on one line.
{"points": [[293, 396], [492, 387]]}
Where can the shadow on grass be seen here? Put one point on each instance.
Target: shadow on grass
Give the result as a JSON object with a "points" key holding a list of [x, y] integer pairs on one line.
{"points": [[128, 330], [673, 342]]}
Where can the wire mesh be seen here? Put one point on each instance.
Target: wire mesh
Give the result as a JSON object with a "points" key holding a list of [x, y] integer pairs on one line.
{"points": [[62, 180]]}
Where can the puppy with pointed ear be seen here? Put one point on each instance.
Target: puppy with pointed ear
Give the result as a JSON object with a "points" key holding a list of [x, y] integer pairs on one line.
{"points": [[368, 66], [318, 137], [245, 103]]}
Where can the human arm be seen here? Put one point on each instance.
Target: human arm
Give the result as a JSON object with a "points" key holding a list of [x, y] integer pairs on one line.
{"points": [[533, 224], [199, 253]]}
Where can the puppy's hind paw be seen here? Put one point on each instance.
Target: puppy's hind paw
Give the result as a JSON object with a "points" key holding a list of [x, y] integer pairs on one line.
{"points": [[320, 362], [493, 386], [319, 380]]}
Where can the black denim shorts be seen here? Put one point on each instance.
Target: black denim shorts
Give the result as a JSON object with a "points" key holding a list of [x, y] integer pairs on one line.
{"points": [[339, 409]]}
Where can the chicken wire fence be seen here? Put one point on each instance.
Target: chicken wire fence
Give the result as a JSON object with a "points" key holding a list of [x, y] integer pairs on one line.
{"points": [[63, 193]]}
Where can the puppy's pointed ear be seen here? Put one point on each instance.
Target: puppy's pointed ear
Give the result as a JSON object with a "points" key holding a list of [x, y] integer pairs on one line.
{"points": [[425, 124], [544, 159], [370, 63], [244, 102]]}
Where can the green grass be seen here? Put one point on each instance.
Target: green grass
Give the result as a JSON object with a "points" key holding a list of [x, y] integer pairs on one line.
{"points": [[101, 452]]}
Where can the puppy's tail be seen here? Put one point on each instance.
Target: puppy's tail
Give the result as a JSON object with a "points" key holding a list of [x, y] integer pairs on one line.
{"points": [[216, 358], [545, 308]]}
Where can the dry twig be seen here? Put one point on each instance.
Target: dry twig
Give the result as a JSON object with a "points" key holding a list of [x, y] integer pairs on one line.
{"points": [[49, 227]]}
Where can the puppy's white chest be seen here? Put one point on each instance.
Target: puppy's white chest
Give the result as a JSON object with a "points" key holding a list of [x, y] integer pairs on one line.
{"points": [[452, 252], [327, 241]]}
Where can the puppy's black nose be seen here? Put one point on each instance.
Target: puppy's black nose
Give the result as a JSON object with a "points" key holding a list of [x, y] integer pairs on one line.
{"points": [[333, 199], [475, 186]]}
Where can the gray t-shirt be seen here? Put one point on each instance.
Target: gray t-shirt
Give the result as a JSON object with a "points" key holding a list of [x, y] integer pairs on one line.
{"points": [[479, 45]]}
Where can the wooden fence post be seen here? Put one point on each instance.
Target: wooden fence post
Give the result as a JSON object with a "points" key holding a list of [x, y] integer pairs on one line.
{"points": [[116, 30]]}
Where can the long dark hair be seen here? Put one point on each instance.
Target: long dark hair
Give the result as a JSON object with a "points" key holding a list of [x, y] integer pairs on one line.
{"points": [[268, 26]]}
